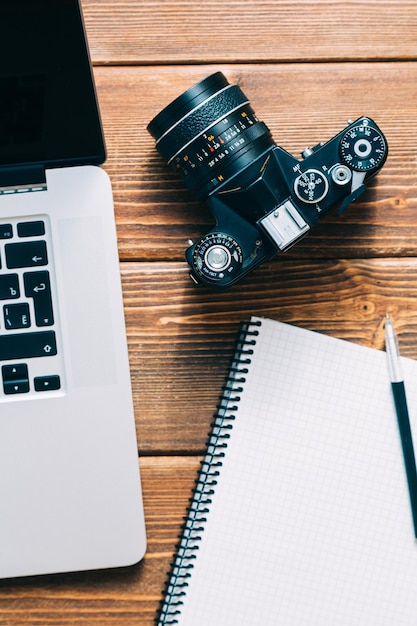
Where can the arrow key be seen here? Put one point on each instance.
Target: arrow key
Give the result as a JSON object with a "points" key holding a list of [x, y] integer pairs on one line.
{"points": [[47, 383], [15, 378]]}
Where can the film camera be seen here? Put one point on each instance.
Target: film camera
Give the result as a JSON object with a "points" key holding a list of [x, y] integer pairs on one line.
{"points": [[263, 199]]}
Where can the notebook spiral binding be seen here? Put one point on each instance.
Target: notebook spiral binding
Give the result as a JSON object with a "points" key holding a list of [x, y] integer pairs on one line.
{"points": [[199, 508]]}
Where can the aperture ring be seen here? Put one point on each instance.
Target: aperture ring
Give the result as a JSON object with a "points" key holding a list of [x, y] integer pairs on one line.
{"points": [[207, 177], [199, 119]]}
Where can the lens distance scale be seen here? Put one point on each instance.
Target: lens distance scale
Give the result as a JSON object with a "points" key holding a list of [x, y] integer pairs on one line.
{"points": [[222, 138]]}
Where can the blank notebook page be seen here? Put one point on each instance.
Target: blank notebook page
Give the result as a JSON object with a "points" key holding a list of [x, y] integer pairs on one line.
{"points": [[310, 520]]}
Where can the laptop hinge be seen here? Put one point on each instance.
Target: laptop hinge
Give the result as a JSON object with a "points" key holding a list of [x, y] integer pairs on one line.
{"points": [[22, 179]]}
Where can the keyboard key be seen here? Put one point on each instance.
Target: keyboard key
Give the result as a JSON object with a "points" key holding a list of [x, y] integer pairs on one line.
{"points": [[27, 345], [31, 229], [16, 316], [38, 287], [15, 378], [6, 231], [47, 383], [17, 386], [14, 372], [9, 287], [26, 254]]}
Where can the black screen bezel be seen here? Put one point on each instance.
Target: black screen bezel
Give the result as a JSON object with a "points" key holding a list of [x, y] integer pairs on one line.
{"points": [[49, 112]]}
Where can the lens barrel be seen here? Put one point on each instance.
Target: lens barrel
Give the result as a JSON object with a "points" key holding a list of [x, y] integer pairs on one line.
{"points": [[209, 134]]}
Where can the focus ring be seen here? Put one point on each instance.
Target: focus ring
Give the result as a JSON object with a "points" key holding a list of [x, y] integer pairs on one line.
{"points": [[182, 105]]}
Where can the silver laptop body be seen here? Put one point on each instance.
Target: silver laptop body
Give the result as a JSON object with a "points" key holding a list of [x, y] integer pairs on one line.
{"points": [[69, 474]]}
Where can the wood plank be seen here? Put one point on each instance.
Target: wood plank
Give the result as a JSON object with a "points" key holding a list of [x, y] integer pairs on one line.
{"points": [[302, 105], [122, 597], [173, 31], [181, 337]]}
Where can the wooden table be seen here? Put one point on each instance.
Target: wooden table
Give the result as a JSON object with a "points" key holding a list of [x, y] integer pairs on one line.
{"points": [[307, 68]]}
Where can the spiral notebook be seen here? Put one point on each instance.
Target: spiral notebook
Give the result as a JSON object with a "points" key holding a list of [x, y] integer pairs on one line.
{"points": [[301, 512]]}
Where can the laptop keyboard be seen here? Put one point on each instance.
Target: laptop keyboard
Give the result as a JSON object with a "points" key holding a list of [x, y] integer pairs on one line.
{"points": [[28, 336]]}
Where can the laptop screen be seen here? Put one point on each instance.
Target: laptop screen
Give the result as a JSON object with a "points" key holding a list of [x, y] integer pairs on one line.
{"points": [[48, 107]]}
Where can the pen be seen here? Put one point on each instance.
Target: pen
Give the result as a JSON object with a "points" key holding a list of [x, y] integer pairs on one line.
{"points": [[400, 400]]}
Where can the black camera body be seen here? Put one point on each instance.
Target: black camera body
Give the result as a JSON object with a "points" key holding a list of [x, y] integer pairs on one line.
{"points": [[263, 199]]}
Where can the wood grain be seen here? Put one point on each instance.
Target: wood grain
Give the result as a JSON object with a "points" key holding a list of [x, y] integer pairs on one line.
{"points": [[184, 32], [307, 67], [181, 338], [302, 104]]}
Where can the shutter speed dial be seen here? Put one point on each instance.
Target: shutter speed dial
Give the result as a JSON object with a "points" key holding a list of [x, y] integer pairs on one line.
{"points": [[217, 256], [363, 148]]}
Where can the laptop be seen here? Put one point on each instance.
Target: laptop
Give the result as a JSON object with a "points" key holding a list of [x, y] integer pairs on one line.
{"points": [[70, 488]]}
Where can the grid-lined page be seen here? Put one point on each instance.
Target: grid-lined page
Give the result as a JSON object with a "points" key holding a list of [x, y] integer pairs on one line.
{"points": [[310, 523]]}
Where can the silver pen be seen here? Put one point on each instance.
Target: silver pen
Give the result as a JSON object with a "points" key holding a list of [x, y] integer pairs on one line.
{"points": [[400, 400]]}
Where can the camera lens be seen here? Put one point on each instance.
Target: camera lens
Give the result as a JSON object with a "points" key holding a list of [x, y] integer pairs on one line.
{"points": [[210, 134]]}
